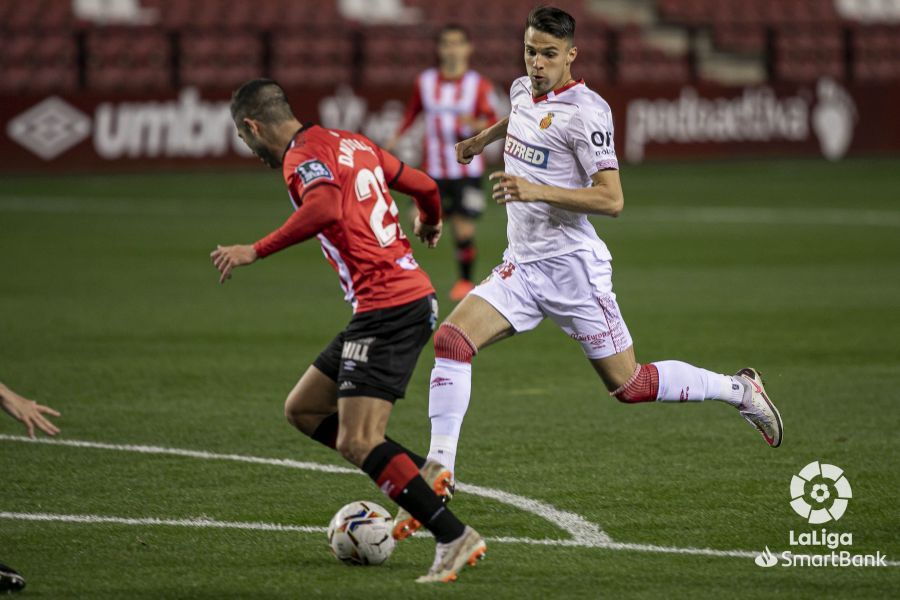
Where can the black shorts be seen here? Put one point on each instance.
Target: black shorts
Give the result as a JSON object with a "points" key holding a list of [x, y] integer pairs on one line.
{"points": [[462, 196], [377, 352]]}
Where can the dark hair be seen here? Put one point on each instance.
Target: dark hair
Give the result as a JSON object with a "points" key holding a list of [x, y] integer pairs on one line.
{"points": [[452, 27], [262, 100], [553, 21]]}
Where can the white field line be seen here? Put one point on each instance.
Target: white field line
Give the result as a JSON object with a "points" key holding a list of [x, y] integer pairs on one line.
{"points": [[575, 525], [207, 523], [277, 462], [584, 533], [151, 521], [814, 216]]}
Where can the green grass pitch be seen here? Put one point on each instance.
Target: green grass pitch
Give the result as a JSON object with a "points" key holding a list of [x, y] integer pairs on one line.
{"points": [[110, 312]]}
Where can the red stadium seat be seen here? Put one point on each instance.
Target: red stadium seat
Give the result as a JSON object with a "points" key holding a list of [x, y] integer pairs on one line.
{"points": [[128, 58], [805, 54]]}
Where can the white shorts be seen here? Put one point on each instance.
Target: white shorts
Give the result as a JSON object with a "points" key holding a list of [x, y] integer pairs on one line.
{"points": [[575, 290]]}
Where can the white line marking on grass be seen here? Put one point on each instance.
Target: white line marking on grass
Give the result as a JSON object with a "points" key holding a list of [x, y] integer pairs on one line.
{"points": [[277, 462], [189, 522], [575, 525], [207, 523], [584, 533]]}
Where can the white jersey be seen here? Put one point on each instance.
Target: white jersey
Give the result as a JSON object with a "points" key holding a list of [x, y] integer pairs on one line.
{"points": [[560, 139]]}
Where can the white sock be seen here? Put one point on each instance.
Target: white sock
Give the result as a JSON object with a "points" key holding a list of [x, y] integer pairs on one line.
{"points": [[681, 382], [448, 399]]}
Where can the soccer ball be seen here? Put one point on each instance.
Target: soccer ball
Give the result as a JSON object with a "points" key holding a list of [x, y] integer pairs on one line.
{"points": [[360, 534]]}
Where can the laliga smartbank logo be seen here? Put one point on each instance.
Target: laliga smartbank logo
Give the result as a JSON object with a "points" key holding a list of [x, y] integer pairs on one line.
{"points": [[820, 493]]}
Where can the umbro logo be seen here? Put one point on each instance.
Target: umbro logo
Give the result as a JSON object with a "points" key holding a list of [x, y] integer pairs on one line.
{"points": [[441, 382], [49, 128]]}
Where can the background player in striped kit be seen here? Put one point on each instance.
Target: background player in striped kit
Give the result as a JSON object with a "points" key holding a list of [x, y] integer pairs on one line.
{"points": [[457, 104]]}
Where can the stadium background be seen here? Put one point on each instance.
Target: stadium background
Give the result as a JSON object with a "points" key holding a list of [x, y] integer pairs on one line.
{"points": [[759, 143]]}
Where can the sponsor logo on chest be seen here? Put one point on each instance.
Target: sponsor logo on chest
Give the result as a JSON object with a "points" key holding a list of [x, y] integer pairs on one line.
{"points": [[526, 153]]}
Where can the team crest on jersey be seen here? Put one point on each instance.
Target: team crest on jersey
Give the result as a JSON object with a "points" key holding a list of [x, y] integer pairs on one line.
{"points": [[313, 170], [547, 120]]}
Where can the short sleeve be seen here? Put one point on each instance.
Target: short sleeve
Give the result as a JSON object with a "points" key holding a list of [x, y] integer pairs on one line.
{"points": [[591, 137]]}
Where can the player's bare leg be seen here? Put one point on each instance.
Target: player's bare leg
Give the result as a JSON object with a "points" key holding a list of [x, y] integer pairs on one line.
{"points": [[312, 400], [464, 237], [312, 407], [676, 381], [363, 421]]}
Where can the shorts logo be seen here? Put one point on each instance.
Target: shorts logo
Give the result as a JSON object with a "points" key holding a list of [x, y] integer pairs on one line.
{"points": [[312, 170], [357, 350], [532, 155], [347, 385], [505, 270], [407, 262], [546, 121]]}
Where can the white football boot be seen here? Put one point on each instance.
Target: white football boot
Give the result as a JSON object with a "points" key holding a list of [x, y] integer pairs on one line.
{"points": [[439, 479], [450, 558], [758, 409]]}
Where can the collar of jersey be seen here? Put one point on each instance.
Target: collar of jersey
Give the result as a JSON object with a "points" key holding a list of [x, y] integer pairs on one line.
{"points": [[290, 145], [557, 92]]}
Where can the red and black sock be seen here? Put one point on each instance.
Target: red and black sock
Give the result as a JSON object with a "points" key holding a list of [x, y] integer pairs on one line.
{"points": [[326, 434], [394, 472], [465, 256]]}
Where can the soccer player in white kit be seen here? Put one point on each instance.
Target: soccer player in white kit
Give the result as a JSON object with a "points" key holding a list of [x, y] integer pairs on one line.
{"points": [[560, 166]]}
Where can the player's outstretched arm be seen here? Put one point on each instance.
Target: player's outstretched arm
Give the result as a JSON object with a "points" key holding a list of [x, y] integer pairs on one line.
{"points": [[29, 412], [604, 197], [320, 209], [467, 149], [424, 192]]}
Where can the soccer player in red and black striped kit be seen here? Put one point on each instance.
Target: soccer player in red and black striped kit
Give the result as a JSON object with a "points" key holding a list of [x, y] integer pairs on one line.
{"points": [[339, 183], [457, 102]]}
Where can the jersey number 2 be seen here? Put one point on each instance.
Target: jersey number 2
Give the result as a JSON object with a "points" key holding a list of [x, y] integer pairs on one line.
{"points": [[367, 183]]}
